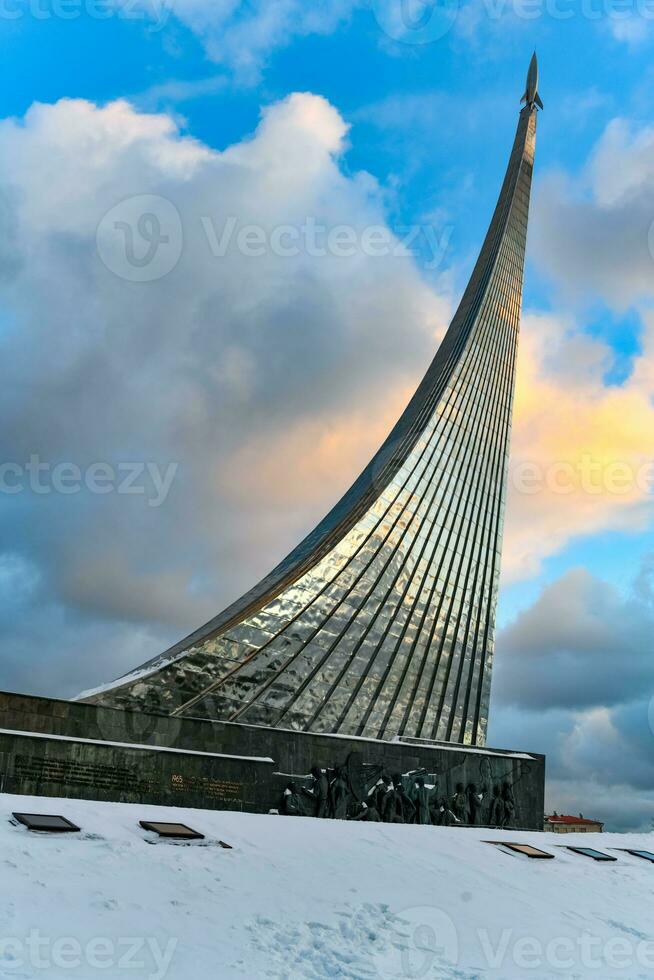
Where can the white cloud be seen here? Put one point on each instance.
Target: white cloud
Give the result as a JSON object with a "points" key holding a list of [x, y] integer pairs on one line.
{"points": [[242, 35], [268, 378], [631, 27]]}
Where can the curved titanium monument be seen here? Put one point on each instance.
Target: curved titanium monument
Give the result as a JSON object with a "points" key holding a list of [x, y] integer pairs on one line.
{"points": [[381, 621]]}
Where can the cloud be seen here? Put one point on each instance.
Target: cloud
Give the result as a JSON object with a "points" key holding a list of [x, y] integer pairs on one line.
{"points": [[574, 678], [241, 36], [175, 90], [582, 451], [587, 441], [593, 233], [631, 27], [494, 23], [266, 378], [562, 651]]}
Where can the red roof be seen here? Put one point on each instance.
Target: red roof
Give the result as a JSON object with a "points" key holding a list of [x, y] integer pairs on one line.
{"points": [[562, 818]]}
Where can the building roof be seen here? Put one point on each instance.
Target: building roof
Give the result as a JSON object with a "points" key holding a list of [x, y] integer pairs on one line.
{"points": [[564, 818]]}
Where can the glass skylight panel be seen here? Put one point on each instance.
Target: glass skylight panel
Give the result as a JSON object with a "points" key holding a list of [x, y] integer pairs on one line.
{"points": [[527, 849], [177, 831], [591, 853], [46, 823]]}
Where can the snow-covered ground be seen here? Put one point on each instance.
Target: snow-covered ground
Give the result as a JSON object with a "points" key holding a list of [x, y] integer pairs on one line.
{"points": [[297, 897]]}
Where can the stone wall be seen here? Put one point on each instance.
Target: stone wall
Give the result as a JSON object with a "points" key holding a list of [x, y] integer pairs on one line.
{"points": [[61, 748]]}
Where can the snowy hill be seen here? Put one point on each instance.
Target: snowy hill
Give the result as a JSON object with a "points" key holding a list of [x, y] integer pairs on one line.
{"points": [[296, 897]]}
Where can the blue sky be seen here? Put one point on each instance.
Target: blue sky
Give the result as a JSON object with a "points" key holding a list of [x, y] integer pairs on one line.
{"points": [[586, 77], [404, 134]]}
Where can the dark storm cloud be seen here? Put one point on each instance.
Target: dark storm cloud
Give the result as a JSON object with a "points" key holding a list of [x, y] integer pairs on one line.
{"points": [[582, 645], [594, 234], [574, 678]]}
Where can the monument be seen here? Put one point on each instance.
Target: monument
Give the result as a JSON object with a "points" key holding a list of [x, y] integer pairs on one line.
{"points": [[379, 625]]}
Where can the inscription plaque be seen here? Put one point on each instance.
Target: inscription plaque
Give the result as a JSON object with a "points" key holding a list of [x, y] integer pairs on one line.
{"points": [[71, 772], [216, 789]]}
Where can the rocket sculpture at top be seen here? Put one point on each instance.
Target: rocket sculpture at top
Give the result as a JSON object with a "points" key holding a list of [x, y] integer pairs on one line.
{"points": [[531, 96]]}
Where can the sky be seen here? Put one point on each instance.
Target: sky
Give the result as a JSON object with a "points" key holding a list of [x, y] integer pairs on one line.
{"points": [[234, 234]]}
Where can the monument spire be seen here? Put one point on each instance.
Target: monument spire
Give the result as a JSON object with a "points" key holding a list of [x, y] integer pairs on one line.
{"points": [[381, 622]]}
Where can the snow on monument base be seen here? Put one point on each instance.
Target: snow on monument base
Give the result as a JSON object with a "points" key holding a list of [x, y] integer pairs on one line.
{"points": [[83, 751]]}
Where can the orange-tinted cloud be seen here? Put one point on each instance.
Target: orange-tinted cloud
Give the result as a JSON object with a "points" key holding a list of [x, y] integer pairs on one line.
{"points": [[582, 449]]}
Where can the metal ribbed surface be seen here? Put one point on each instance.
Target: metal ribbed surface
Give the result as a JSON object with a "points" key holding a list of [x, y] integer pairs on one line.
{"points": [[382, 620]]}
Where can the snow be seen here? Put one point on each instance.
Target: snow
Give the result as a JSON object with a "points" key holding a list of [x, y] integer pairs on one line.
{"points": [[456, 747], [132, 745], [302, 898], [133, 675]]}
